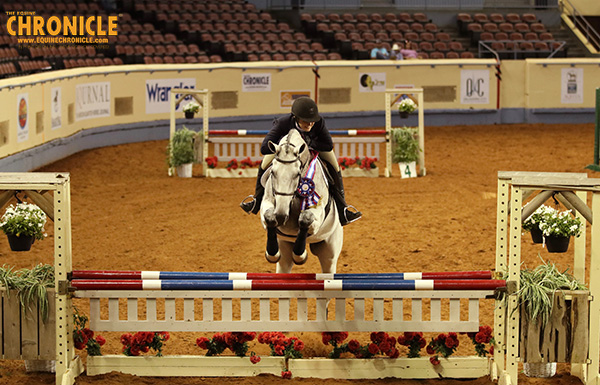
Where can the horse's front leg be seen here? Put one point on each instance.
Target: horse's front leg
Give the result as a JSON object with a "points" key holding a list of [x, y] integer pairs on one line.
{"points": [[272, 253], [305, 220]]}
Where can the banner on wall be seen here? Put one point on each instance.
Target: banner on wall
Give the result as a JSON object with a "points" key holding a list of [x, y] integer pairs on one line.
{"points": [[55, 108], [475, 86], [256, 82], [287, 98], [22, 117], [92, 100], [571, 86], [371, 82], [158, 94]]}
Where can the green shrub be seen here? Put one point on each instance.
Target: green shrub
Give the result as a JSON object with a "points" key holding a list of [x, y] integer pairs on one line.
{"points": [[181, 148], [405, 145]]}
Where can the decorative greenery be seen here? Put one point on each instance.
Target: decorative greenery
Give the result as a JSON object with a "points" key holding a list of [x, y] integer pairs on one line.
{"points": [[142, 342], [31, 286], [365, 163], [560, 224], [288, 347], [191, 107], [414, 341], [405, 145], [407, 105], [83, 337], [181, 147], [237, 342], [444, 345], [212, 161], [24, 219], [536, 218], [381, 343], [481, 338], [538, 287]]}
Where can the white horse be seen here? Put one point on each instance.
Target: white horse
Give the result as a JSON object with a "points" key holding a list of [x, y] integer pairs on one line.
{"points": [[288, 226]]}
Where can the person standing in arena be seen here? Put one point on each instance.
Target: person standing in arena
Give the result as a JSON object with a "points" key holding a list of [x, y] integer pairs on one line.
{"points": [[305, 118]]}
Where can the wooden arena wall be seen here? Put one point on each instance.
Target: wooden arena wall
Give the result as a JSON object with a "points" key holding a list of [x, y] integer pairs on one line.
{"points": [[350, 95]]}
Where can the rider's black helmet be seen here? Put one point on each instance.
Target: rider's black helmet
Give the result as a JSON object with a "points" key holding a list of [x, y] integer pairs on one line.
{"points": [[306, 109]]}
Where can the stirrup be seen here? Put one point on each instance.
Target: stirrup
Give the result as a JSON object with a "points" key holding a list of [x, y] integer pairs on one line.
{"points": [[354, 211], [246, 205]]}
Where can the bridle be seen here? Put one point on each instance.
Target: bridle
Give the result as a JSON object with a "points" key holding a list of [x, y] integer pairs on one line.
{"points": [[298, 176]]}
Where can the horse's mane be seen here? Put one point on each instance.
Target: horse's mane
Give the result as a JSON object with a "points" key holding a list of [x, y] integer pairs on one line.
{"points": [[293, 140]]}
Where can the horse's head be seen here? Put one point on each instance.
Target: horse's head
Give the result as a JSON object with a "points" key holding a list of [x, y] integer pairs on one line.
{"points": [[291, 155]]}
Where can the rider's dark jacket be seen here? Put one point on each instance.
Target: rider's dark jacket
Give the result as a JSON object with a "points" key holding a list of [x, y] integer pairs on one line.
{"points": [[318, 138]]}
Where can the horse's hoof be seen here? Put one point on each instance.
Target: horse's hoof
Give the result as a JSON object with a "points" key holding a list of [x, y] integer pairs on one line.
{"points": [[273, 258], [300, 259]]}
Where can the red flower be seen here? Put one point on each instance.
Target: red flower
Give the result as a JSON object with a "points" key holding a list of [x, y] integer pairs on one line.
{"points": [[100, 340], [135, 351], [255, 359], [430, 350], [165, 335], [353, 345], [340, 337], [393, 353], [202, 342], [88, 332], [298, 345], [373, 348], [286, 374], [434, 360], [126, 339], [326, 338]]}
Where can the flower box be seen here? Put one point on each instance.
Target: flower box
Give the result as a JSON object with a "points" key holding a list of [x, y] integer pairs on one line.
{"points": [[360, 172], [237, 173], [373, 368], [344, 368], [184, 366]]}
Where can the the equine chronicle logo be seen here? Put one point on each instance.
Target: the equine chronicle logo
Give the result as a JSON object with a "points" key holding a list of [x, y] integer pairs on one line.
{"points": [[60, 29]]}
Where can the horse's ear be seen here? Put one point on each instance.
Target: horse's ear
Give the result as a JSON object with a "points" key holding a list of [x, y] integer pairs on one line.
{"points": [[273, 147]]}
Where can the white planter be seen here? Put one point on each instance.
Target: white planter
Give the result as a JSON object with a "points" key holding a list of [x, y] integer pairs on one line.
{"points": [[360, 172], [185, 170], [408, 170], [403, 367], [238, 173], [184, 366], [343, 368]]}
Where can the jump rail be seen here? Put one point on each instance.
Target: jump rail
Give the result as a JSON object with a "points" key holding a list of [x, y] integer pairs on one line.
{"points": [[285, 311], [347, 143]]}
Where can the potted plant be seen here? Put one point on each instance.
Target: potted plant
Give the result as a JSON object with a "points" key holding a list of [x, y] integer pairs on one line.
{"points": [[23, 223], [180, 151], [405, 150], [558, 227], [536, 297], [406, 106], [532, 223], [190, 109]]}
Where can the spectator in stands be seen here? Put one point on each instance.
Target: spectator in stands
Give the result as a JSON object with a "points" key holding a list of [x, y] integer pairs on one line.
{"points": [[306, 119], [396, 54], [409, 51], [379, 51]]}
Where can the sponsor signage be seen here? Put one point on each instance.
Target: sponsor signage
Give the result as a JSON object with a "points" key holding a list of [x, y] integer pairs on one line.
{"points": [[286, 98], [92, 100], [22, 117], [55, 108], [371, 82], [158, 94], [475, 87], [256, 82], [571, 86]]}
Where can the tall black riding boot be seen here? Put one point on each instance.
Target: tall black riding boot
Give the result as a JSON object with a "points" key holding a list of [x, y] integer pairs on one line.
{"points": [[253, 206], [337, 189]]}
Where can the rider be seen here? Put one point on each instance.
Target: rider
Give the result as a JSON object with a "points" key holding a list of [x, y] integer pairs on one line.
{"points": [[304, 118]]}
